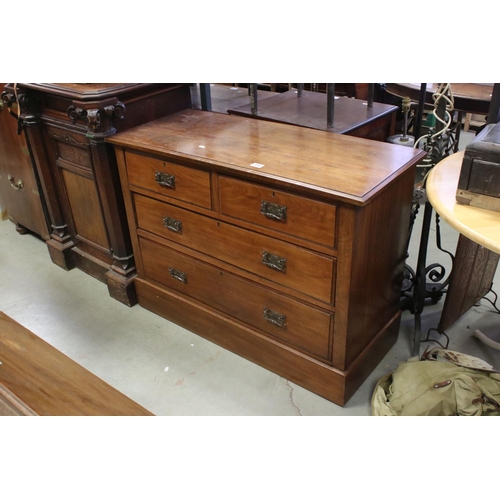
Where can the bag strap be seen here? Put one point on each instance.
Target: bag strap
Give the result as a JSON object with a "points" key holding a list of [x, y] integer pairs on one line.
{"points": [[457, 358]]}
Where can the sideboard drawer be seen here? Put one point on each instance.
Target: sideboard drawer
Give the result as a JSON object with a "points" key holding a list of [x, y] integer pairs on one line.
{"points": [[295, 215], [170, 179], [292, 322], [273, 259]]}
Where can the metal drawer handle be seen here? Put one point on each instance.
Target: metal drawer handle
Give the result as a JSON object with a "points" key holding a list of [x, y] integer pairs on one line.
{"points": [[15, 184], [178, 275], [165, 180], [274, 317], [172, 224], [273, 210], [274, 261]]}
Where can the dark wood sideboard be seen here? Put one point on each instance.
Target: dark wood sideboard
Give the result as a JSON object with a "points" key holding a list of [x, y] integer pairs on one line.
{"points": [[66, 126], [283, 244], [21, 197]]}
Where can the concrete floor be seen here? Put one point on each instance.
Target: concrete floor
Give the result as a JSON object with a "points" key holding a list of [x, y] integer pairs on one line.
{"points": [[171, 371]]}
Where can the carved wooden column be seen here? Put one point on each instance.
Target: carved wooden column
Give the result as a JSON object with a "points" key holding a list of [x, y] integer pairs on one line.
{"points": [[99, 117], [60, 243], [66, 125]]}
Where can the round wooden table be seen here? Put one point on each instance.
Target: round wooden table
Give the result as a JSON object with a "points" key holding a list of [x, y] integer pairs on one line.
{"points": [[479, 225]]}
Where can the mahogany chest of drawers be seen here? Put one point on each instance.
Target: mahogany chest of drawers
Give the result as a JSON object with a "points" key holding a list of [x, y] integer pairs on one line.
{"points": [[282, 244]]}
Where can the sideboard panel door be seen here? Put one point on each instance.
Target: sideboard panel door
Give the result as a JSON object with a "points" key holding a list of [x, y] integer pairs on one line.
{"points": [[85, 209], [20, 196]]}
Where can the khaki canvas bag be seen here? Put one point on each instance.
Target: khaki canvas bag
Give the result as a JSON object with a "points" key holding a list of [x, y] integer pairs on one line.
{"points": [[441, 382]]}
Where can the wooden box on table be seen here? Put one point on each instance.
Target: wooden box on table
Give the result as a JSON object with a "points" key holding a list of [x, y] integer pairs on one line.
{"points": [[283, 244], [479, 181]]}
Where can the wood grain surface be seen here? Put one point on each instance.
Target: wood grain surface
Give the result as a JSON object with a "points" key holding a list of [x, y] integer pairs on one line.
{"points": [[351, 116], [52, 384], [335, 166]]}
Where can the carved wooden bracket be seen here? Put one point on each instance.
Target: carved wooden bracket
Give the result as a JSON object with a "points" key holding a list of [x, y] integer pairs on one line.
{"points": [[97, 119], [7, 98], [24, 114]]}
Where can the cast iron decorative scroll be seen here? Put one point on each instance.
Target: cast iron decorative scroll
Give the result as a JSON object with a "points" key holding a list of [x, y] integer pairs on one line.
{"points": [[427, 282]]}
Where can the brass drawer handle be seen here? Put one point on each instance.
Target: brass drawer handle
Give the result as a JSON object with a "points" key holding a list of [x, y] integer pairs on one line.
{"points": [[178, 275], [165, 180], [172, 224], [273, 210], [274, 261], [274, 317], [15, 184]]}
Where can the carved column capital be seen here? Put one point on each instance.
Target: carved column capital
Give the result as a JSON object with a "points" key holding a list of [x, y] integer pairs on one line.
{"points": [[26, 106], [98, 120], [7, 98]]}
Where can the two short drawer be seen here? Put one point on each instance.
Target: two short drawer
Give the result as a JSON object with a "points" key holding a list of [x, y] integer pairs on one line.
{"points": [[295, 215], [170, 179], [289, 321], [275, 260], [284, 212]]}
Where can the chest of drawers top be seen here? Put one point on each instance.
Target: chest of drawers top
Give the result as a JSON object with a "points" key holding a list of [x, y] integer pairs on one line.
{"points": [[336, 167]]}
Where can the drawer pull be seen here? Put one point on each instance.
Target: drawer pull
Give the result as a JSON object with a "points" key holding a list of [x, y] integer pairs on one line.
{"points": [[273, 261], [165, 180], [273, 210], [178, 275], [19, 184], [172, 224], [274, 317]]}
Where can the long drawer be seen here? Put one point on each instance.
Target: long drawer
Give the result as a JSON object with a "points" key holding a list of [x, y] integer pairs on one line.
{"points": [[273, 259], [302, 217], [292, 322], [170, 179]]}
